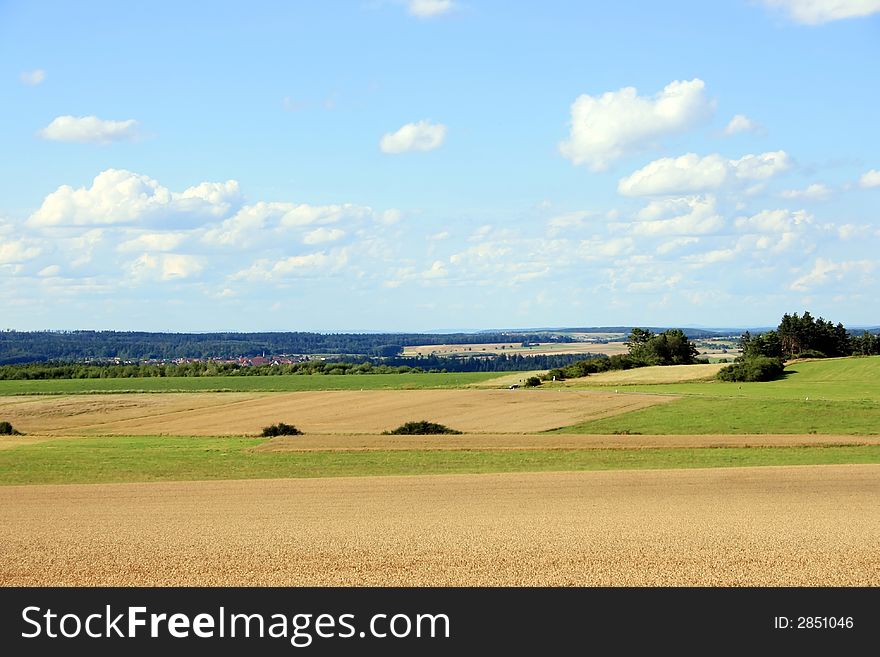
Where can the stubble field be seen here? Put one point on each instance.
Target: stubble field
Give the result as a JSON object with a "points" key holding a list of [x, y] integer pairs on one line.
{"points": [[717, 527]]}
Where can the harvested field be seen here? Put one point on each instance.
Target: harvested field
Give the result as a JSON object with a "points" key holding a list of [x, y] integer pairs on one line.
{"points": [[513, 441], [498, 348], [371, 411], [794, 526], [651, 375]]}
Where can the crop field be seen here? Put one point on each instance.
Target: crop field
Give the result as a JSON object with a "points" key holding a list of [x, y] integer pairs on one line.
{"points": [[712, 527], [286, 383], [205, 414], [535, 349]]}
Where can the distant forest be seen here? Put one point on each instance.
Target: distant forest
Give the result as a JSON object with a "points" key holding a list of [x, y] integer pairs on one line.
{"points": [[42, 346]]}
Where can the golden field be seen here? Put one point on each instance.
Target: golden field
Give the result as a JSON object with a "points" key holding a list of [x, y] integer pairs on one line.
{"points": [[792, 526], [368, 411]]}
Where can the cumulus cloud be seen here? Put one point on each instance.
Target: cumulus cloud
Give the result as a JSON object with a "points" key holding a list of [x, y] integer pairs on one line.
{"points": [[322, 235], [17, 251], [814, 192], [421, 136], [255, 223], [816, 12], [691, 173], [870, 179], [89, 129], [693, 215], [606, 128], [825, 270], [310, 264], [32, 78], [49, 272], [153, 242], [165, 267], [741, 123], [429, 8], [774, 221], [117, 196]]}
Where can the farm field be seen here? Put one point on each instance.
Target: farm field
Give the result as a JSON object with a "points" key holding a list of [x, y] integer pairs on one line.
{"points": [[369, 411], [287, 383], [510, 348], [819, 397], [711, 527]]}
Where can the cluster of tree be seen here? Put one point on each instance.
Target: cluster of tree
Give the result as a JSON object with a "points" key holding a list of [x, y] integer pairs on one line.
{"points": [[6, 429], [671, 347], [33, 346], [420, 428], [806, 337], [756, 368], [280, 429]]}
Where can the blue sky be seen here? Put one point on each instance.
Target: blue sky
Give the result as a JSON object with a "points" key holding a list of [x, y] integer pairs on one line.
{"points": [[437, 164]]}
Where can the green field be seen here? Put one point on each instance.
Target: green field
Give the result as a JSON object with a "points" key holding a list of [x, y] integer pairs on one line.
{"points": [[835, 396], [150, 458], [287, 383]]}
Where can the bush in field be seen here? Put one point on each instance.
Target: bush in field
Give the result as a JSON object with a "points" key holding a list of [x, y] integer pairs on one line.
{"points": [[423, 427], [532, 382], [281, 429], [758, 368], [6, 429]]}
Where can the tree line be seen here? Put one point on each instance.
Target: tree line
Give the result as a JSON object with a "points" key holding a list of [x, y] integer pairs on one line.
{"points": [[803, 336], [502, 363], [36, 346]]}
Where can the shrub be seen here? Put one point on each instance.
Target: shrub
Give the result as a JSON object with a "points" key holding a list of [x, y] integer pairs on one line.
{"points": [[533, 381], [6, 429], [281, 429], [422, 427], [758, 368]]}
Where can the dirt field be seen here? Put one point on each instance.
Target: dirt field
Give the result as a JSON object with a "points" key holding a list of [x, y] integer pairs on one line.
{"points": [[349, 442], [765, 526], [374, 411]]}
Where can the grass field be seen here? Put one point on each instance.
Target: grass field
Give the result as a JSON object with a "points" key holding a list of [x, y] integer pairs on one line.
{"points": [[146, 458], [289, 383], [823, 397]]}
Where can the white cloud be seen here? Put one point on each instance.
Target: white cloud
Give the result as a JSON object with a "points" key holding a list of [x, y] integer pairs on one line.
{"points": [[437, 237], [429, 8], [89, 129], [322, 235], [264, 270], [825, 271], [437, 270], [608, 127], [870, 179], [421, 136], [32, 78], [50, 271], [570, 221], [390, 217], [153, 242], [256, 223], [693, 215], [597, 248], [165, 267], [117, 196], [814, 192], [17, 251], [774, 221], [676, 244], [742, 123], [691, 173], [816, 12], [711, 257]]}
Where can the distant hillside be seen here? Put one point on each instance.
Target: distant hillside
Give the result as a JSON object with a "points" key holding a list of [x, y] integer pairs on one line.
{"points": [[39, 346]]}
